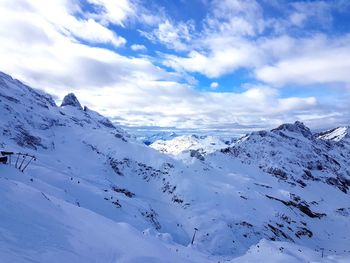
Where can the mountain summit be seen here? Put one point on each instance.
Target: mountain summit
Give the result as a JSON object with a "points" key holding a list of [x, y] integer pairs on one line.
{"points": [[296, 127], [71, 100]]}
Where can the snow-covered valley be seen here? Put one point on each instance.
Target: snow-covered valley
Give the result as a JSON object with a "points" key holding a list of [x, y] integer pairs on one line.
{"points": [[96, 194]]}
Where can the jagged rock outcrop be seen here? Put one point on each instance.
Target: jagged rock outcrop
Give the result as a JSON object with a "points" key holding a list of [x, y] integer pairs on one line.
{"points": [[71, 100], [296, 127]]}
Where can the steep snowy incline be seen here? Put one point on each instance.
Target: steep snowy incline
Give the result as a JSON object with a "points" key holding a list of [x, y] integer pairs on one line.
{"points": [[38, 227], [85, 161]]}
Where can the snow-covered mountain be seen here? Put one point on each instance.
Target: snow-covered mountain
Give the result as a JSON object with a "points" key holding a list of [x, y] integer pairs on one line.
{"points": [[336, 134], [292, 153], [96, 194], [186, 147], [151, 138]]}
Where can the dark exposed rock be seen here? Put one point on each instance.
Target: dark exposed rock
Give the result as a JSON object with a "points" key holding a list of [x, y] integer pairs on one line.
{"points": [[303, 232], [115, 166], [117, 204], [71, 100], [167, 187], [277, 172], [25, 139], [152, 217], [246, 224], [343, 211], [263, 185], [297, 127], [286, 218], [119, 136], [123, 191], [176, 199], [308, 176], [279, 233], [302, 206], [340, 183], [107, 123], [9, 98], [301, 183], [196, 154], [226, 150]]}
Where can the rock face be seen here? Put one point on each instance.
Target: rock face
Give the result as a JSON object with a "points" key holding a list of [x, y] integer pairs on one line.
{"points": [[296, 127], [71, 100]]}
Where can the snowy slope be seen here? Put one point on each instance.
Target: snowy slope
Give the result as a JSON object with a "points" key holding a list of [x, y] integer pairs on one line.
{"points": [[151, 138], [336, 134], [307, 188], [186, 147], [266, 252], [40, 227], [94, 191], [83, 163]]}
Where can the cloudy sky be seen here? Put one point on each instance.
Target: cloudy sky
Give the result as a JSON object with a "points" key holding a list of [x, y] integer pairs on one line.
{"points": [[208, 64]]}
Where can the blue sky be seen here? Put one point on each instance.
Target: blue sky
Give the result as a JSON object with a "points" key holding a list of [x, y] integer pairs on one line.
{"points": [[228, 65]]}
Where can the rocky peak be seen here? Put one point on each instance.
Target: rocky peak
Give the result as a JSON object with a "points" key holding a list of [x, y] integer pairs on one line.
{"points": [[296, 127], [71, 100]]}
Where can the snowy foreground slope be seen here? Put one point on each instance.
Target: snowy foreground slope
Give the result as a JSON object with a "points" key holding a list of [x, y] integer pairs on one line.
{"points": [[97, 195]]}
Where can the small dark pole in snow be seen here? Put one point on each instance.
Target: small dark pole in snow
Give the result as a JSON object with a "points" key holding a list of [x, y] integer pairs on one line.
{"points": [[24, 158], [322, 249], [17, 160], [194, 234], [32, 158]]}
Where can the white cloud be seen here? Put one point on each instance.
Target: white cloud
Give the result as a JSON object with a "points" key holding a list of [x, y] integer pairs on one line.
{"points": [[59, 15], [173, 35], [317, 12], [259, 105], [235, 17], [222, 46], [137, 47], [225, 56], [320, 62], [233, 37], [114, 11], [92, 31], [298, 18], [214, 85], [44, 54]]}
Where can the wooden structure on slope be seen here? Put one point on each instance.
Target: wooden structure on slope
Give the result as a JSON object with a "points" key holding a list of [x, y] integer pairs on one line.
{"points": [[22, 160]]}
